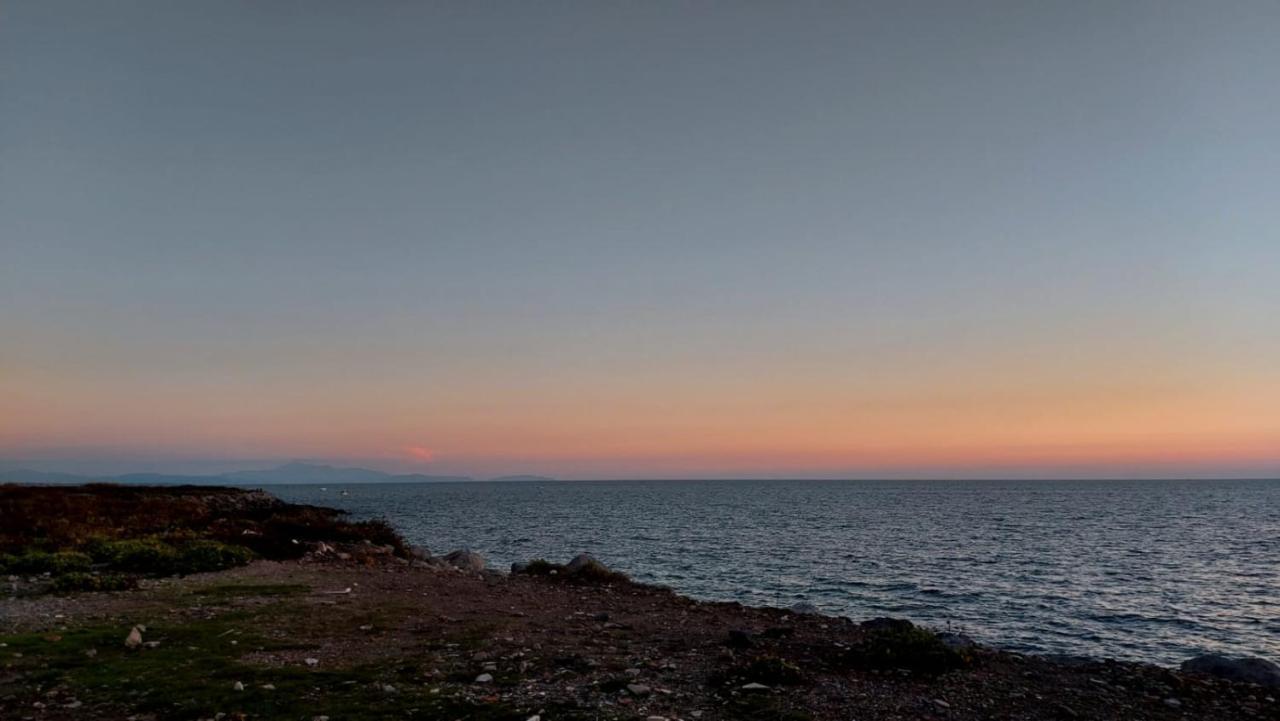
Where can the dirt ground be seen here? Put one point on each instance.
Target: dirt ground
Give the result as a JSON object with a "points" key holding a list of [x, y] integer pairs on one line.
{"points": [[309, 640]]}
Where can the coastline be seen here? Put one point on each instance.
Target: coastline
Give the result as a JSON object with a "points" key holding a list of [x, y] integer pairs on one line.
{"points": [[397, 632]]}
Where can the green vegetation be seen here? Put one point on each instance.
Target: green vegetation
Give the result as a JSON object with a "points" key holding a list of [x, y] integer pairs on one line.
{"points": [[37, 562], [84, 537], [227, 591], [79, 581], [196, 662]]}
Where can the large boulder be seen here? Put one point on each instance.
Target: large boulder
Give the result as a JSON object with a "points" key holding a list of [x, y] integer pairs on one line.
{"points": [[466, 560], [581, 561], [1248, 669], [584, 565]]}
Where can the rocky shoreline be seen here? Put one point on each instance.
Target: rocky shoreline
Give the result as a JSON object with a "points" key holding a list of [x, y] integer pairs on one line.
{"points": [[350, 628]]}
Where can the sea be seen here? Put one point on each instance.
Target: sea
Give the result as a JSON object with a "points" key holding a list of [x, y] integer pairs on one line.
{"points": [[1154, 571]]}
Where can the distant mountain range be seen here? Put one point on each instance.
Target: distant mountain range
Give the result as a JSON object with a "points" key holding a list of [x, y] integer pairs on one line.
{"points": [[288, 473]]}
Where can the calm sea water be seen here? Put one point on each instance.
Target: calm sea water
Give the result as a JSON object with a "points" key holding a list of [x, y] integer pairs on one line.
{"points": [[1153, 571]]}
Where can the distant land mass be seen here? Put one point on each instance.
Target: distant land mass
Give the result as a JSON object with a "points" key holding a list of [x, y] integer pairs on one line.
{"points": [[296, 473]]}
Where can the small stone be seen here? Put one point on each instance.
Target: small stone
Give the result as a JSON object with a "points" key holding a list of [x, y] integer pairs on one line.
{"points": [[312, 661], [134, 639], [484, 678], [268, 687], [1172, 702], [388, 688], [941, 704], [655, 718], [754, 687], [637, 689], [91, 652], [534, 717], [632, 672], [237, 686]]}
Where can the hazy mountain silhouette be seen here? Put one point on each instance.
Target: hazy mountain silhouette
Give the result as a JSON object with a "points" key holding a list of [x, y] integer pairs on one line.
{"points": [[295, 472]]}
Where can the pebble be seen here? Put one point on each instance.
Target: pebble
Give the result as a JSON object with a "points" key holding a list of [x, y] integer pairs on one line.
{"points": [[941, 704], [312, 661], [1172, 702], [238, 686], [637, 689], [655, 718], [484, 678], [752, 687]]}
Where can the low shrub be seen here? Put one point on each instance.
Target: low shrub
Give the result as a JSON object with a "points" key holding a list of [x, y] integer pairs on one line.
{"points": [[140, 555], [542, 567], [206, 556], [37, 562]]}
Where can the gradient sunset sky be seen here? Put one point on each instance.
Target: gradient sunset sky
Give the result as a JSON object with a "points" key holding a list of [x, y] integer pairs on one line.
{"points": [[659, 239]]}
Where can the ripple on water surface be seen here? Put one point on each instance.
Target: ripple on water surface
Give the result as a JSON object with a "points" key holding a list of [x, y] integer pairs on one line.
{"points": [[1151, 570]]}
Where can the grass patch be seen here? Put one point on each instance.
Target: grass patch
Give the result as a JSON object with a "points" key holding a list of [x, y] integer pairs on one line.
{"points": [[73, 582], [193, 671], [35, 562], [251, 590]]}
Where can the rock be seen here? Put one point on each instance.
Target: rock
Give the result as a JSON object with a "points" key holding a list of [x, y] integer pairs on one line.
{"points": [[638, 689], [484, 678], [754, 688], [237, 686], [655, 718], [388, 688], [1069, 660], [312, 661], [585, 565], [579, 562], [1246, 668], [633, 672], [534, 717], [888, 624], [740, 639], [466, 560], [1172, 702], [805, 608], [134, 639], [956, 641]]}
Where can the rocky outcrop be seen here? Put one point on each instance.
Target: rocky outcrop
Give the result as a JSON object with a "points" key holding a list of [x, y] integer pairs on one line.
{"points": [[1247, 669], [466, 560]]}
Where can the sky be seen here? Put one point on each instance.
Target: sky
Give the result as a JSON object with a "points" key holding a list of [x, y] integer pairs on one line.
{"points": [[642, 240]]}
